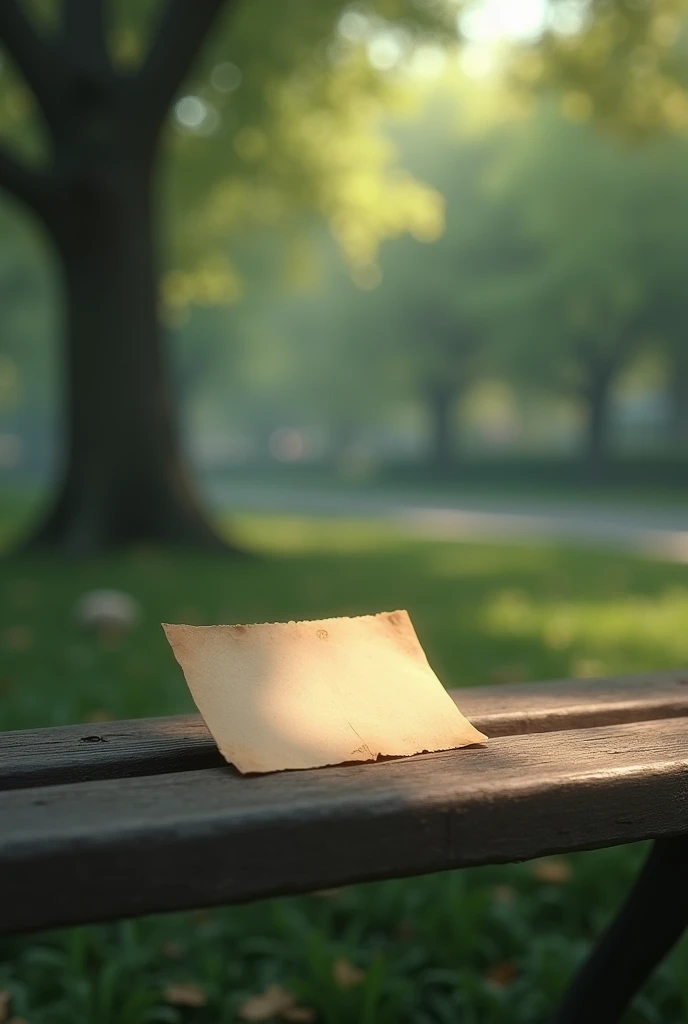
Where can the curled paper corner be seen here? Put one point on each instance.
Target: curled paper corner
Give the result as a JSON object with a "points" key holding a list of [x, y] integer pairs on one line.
{"points": [[306, 694]]}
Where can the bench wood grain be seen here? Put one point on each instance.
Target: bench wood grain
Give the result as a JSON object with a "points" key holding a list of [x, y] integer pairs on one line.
{"points": [[121, 749], [120, 847]]}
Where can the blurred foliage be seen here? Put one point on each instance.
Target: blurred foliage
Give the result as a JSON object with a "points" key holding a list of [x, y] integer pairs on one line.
{"points": [[622, 62], [278, 121], [607, 222], [560, 269], [439, 329], [554, 214]]}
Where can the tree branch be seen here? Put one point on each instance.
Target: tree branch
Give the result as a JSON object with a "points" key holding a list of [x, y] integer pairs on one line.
{"points": [[183, 28], [24, 183], [34, 57]]}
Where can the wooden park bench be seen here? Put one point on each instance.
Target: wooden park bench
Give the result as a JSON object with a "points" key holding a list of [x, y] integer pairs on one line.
{"points": [[134, 817]]}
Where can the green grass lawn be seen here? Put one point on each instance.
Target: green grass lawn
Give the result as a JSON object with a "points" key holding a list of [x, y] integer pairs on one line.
{"points": [[487, 946]]}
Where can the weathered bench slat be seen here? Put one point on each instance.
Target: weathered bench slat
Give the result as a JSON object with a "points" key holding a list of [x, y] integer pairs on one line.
{"points": [[148, 746], [113, 848]]}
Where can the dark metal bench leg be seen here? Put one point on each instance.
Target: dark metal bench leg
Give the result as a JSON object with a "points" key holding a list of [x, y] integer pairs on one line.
{"points": [[651, 920]]}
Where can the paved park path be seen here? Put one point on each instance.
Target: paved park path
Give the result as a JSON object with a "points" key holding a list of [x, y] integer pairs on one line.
{"points": [[652, 530]]}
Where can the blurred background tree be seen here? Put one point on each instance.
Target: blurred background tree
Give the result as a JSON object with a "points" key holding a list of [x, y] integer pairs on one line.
{"points": [[544, 316], [442, 321], [589, 300], [99, 84]]}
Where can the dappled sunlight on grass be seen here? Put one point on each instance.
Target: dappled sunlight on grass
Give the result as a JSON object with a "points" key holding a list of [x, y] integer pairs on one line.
{"points": [[485, 613], [461, 561], [599, 635], [304, 535]]}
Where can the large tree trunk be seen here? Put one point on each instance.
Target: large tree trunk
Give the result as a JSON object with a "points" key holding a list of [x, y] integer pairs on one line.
{"points": [[123, 478], [595, 449], [441, 399]]}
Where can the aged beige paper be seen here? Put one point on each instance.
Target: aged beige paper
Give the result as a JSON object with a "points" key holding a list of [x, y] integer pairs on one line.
{"points": [[305, 694]]}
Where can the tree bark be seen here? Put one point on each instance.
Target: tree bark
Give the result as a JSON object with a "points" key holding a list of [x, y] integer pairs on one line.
{"points": [[123, 479], [441, 398]]}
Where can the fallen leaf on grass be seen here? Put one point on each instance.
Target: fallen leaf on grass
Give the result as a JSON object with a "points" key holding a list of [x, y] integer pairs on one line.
{"points": [[346, 974], [504, 894], [501, 974], [4, 1007], [17, 638], [109, 638], [173, 950], [298, 1015], [511, 673], [97, 715], [185, 994], [275, 1001], [552, 871]]}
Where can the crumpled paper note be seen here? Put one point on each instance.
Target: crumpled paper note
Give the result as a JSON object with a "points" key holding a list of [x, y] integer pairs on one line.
{"points": [[307, 694]]}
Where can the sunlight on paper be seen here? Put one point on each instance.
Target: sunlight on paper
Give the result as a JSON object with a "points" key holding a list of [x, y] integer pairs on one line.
{"points": [[307, 694]]}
